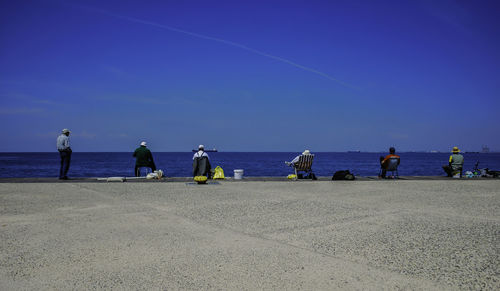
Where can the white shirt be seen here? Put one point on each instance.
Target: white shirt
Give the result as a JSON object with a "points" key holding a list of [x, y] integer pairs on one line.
{"points": [[295, 160], [200, 154]]}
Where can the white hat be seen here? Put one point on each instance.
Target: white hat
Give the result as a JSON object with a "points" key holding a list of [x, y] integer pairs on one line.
{"points": [[143, 144], [306, 152], [66, 130], [201, 147]]}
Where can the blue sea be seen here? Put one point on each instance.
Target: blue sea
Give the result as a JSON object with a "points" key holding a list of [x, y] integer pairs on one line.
{"points": [[179, 164]]}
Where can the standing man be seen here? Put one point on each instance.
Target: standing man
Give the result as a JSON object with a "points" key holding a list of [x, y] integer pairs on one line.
{"points": [[143, 158], [65, 153], [455, 163]]}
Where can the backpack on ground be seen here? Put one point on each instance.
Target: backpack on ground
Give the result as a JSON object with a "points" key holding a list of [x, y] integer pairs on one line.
{"points": [[343, 175], [218, 173]]}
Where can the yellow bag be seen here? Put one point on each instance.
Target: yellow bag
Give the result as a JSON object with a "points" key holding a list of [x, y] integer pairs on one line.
{"points": [[201, 179], [292, 177], [219, 173]]}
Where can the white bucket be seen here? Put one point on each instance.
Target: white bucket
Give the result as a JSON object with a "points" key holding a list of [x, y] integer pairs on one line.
{"points": [[238, 174]]}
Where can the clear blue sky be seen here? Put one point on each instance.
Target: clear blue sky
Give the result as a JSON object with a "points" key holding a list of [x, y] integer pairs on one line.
{"points": [[250, 75]]}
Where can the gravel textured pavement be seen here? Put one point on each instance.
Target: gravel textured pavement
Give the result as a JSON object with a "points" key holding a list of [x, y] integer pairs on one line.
{"points": [[310, 235]]}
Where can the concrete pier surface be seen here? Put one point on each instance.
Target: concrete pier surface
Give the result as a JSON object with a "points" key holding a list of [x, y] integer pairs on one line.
{"points": [[309, 235]]}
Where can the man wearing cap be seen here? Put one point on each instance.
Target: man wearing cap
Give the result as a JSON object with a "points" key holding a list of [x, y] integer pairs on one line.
{"points": [[200, 153], [201, 163], [143, 158], [294, 164], [296, 159], [455, 163], [65, 153]]}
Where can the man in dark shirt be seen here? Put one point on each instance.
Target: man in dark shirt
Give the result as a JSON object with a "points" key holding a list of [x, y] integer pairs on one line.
{"points": [[143, 158]]}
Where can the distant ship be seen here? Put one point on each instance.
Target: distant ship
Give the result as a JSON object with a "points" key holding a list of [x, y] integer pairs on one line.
{"points": [[485, 150], [353, 151], [214, 150]]}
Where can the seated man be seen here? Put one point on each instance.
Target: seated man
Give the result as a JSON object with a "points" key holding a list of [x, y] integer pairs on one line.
{"points": [[296, 159], [143, 158], [390, 158], [295, 165], [201, 163], [455, 163]]}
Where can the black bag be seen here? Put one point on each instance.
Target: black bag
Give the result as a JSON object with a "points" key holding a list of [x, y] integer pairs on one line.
{"points": [[495, 174], [343, 175], [349, 177]]}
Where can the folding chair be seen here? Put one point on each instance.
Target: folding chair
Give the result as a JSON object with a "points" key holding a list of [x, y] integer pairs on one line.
{"points": [[304, 164], [392, 167]]}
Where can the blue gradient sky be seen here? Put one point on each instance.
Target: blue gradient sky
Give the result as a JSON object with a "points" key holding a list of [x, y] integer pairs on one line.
{"points": [[250, 75]]}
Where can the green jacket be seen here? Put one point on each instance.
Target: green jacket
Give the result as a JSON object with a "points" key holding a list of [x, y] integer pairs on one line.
{"points": [[143, 157]]}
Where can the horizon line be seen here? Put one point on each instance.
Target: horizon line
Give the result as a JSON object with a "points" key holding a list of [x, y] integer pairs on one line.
{"points": [[350, 152]]}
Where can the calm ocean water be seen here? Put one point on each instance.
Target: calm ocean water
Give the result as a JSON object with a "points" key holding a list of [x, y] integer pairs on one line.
{"points": [[254, 164]]}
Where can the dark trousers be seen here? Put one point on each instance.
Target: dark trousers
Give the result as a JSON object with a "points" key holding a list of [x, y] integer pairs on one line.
{"points": [[65, 161]]}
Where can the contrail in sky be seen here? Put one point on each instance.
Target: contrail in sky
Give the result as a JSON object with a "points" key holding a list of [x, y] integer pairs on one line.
{"points": [[283, 60]]}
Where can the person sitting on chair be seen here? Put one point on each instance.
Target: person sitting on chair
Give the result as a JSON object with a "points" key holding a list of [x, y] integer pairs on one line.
{"points": [[201, 163], [296, 164], [385, 161], [296, 159], [455, 163], [143, 158]]}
